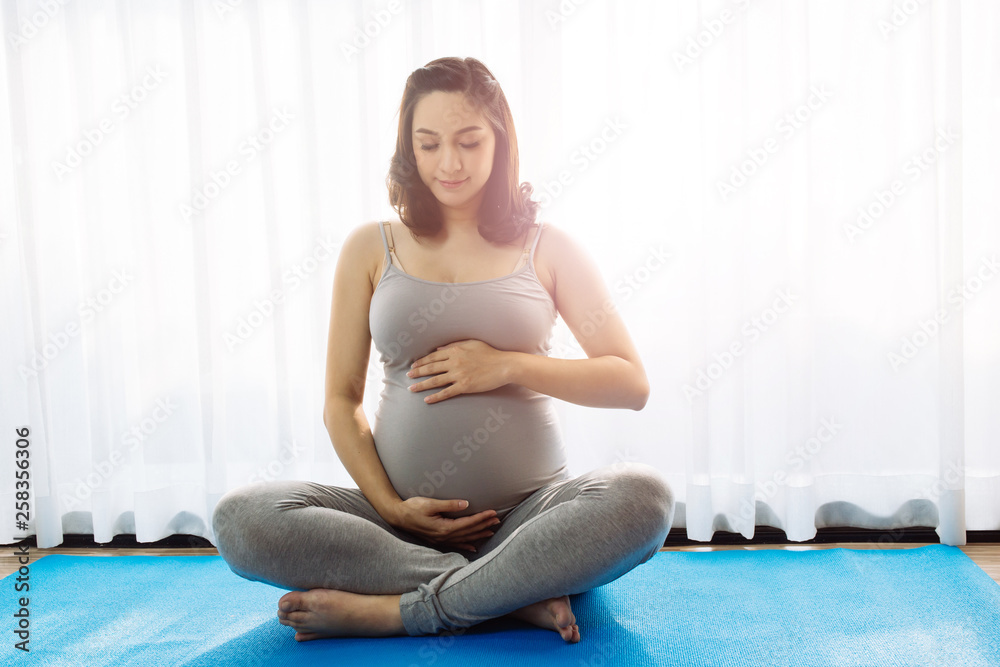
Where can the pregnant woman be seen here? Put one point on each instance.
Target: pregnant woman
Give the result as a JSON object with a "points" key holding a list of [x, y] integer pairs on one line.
{"points": [[465, 509]]}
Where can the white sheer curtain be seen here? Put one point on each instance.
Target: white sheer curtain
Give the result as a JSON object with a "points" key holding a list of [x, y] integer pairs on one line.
{"points": [[793, 204]]}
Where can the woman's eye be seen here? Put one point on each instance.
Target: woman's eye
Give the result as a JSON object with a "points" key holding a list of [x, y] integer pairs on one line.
{"points": [[430, 148]]}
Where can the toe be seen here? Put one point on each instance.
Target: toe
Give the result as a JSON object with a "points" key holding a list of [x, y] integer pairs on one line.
{"points": [[563, 614], [296, 619], [290, 601]]}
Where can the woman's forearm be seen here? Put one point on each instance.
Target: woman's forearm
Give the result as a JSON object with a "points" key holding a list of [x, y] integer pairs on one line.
{"points": [[600, 382], [347, 425]]}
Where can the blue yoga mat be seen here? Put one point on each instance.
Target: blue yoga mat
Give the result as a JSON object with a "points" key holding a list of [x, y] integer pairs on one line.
{"points": [[923, 606]]}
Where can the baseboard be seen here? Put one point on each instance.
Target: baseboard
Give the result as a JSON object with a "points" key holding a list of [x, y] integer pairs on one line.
{"points": [[676, 538], [769, 535]]}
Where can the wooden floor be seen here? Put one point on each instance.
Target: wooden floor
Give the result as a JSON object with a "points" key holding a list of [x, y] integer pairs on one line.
{"points": [[986, 556]]}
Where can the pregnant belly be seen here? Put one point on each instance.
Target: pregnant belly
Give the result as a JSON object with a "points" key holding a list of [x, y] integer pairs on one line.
{"points": [[493, 449]]}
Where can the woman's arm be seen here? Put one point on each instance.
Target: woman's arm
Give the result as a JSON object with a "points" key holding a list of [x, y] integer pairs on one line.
{"points": [[613, 375], [607, 381], [348, 348]]}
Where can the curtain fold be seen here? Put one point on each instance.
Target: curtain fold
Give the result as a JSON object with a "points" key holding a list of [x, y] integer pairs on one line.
{"points": [[793, 205]]}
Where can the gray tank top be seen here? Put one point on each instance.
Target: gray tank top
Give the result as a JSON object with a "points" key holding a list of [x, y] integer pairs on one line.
{"points": [[492, 448]]}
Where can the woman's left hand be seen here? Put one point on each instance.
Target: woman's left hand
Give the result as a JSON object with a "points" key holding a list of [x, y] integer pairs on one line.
{"points": [[467, 367]]}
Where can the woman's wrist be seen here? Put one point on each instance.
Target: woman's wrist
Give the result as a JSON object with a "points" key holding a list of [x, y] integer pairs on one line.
{"points": [[512, 367], [389, 510]]}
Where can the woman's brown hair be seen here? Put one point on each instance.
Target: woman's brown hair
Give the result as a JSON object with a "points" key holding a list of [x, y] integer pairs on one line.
{"points": [[507, 209]]}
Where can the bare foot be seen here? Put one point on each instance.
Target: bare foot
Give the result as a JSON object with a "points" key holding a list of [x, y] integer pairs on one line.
{"points": [[552, 614], [322, 612]]}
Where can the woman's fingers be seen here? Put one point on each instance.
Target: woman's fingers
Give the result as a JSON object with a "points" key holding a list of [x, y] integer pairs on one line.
{"points": [[480, 529], [471, 521], [446, 536]]}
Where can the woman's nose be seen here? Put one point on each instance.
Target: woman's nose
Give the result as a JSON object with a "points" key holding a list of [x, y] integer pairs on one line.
{"points": [[450, 162]]}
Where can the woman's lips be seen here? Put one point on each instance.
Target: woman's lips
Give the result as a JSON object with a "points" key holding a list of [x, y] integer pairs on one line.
{"points": [[451, 185]]}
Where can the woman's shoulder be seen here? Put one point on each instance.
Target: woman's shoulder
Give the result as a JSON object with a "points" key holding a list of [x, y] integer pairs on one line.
{"points": [[367, 236], [558, 247], [552, 228], [552, 235], [372, 226], [363, 245]]}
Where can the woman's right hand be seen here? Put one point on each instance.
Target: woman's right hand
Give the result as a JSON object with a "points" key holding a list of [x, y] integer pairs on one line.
{"points": [[421, 516]]}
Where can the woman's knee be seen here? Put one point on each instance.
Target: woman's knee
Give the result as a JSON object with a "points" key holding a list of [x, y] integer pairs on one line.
{"points": [[643, 488], [239, 511], [227, 513]]}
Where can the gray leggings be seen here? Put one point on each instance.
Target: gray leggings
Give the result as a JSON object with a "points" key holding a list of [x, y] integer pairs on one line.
{"points": [[567, 537]]}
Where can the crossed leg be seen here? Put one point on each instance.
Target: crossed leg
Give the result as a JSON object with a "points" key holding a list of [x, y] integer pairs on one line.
{"points": [[354, 575]]}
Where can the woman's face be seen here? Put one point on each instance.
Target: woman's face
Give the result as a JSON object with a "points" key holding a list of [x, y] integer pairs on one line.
{"points": [[447, 150]]}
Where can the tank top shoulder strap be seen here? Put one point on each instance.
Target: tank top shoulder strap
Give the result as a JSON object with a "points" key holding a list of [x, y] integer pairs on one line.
{"points": [[528, 252], [538, 233], [390, 249], [385, 243]]}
